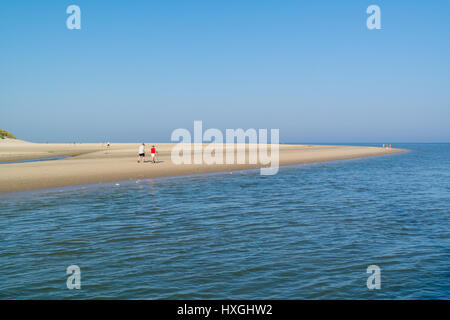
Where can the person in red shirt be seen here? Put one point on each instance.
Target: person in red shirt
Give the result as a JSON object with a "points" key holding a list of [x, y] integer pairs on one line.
{"points": [[153, 154]]}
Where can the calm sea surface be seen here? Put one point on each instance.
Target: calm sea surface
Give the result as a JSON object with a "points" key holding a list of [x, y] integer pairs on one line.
{"points": [[309, 232]]}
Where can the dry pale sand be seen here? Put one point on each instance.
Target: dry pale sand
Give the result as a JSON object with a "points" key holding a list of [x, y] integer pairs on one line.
{"points": [[94, 163]]}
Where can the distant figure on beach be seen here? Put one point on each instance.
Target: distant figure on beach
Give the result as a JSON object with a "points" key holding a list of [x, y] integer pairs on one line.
{"points": [[141, 153], [107, 145], [153, 154]]}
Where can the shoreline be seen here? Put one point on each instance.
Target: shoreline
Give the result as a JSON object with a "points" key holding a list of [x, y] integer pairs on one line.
{"points": [[93, 164], [121, 183]]}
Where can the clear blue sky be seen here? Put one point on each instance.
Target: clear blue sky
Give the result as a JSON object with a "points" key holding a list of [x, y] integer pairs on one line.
{"points": [[139, 69]]}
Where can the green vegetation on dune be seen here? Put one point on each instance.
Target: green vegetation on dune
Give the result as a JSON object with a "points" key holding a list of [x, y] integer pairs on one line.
{"points": [[5, 134]]}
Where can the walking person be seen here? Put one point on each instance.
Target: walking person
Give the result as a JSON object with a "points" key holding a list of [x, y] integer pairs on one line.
{"points": [[108, 145], [141, 153], [153, 154]]}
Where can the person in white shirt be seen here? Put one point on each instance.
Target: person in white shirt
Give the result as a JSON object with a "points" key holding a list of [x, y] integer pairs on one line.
{"points": [[141, 153]]}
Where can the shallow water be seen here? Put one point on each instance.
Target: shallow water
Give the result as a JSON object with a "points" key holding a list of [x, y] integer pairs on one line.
{"points": [[35, 160], [310, 231]]}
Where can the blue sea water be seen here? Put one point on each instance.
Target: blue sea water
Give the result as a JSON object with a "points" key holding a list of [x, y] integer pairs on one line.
{"points": [[309, 232]]}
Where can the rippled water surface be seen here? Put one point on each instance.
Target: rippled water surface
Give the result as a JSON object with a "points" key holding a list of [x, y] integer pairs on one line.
{"points": [[309, 232]]}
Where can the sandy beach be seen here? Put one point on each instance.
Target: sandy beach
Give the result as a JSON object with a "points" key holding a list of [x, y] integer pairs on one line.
{"points": [[95, 163]]}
